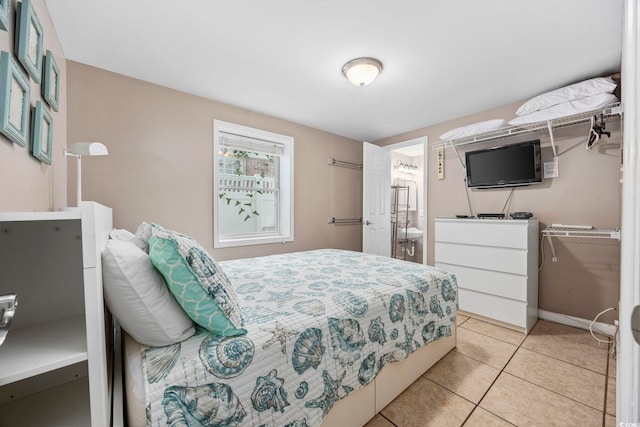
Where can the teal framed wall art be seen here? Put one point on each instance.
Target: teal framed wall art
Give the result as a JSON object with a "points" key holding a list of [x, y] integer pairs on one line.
{"points": [[14, 100]]}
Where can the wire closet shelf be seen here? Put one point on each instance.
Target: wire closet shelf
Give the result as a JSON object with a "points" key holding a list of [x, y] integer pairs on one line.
{"points": [[591, 233], [577, 231], [613, 111]]}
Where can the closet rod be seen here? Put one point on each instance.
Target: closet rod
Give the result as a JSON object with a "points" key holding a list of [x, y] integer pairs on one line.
{"points": [[344, 221], [340, 163]]}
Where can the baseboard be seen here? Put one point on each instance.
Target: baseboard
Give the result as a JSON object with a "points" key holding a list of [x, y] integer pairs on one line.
{"points": [[565, 319]]}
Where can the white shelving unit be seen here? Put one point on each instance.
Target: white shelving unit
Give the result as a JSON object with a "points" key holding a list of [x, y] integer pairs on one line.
{"points": [[585, 232], [53, 363], [64, 343], [613, 111]]}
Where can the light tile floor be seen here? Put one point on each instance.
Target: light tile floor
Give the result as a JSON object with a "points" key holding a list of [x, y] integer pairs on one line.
{"points": [[555, 376]]}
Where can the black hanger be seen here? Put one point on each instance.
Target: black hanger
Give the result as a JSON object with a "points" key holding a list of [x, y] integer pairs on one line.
{"points": [[598, 128]]}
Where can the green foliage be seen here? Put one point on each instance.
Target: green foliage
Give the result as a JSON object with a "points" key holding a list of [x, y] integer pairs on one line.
{"points": [[241, 154]]}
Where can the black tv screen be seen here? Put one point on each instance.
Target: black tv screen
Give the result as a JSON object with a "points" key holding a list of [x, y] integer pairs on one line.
{"points": [[507, 166]]}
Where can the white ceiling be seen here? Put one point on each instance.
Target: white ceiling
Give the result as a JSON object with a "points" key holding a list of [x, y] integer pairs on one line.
{"points": [[442, 59]]}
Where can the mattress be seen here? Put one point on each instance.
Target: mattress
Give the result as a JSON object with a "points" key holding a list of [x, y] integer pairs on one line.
{"points": [[321, 324]]}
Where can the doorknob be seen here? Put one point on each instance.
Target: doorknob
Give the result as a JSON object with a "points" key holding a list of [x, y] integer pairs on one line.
{"points": [[635, 323], [367, 222]]}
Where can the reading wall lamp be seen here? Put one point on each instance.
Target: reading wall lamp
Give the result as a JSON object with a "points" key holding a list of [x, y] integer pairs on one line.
{"points": [[79, 149], [362, 71]]}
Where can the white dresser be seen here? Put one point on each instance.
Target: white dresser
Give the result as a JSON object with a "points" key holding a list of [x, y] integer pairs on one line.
{"points": [[496, 266]]}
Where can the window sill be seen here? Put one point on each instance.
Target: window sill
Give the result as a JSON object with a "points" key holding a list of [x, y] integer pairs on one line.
{"points": [[251, 241]]}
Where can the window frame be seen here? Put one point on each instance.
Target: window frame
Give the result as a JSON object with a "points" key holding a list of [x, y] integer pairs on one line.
{"points": [[285, 194]]}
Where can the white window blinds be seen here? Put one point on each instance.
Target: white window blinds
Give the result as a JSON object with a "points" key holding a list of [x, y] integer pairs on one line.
{"points": [[231, 141]]}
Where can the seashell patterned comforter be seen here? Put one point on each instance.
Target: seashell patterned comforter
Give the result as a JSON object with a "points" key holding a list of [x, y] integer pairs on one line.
{"points": [[320, 324]]}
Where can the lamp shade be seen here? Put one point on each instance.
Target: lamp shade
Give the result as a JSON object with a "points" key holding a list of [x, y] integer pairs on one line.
{"points": [[362, 71], [88, 149]]}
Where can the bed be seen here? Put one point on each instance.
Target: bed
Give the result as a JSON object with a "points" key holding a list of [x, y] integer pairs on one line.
{"points": [[332, 337]]}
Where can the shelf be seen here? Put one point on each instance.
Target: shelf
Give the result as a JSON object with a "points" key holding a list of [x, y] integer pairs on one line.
{"points": [[584, 232], [592, 233], [36, 349], [66, 405], [610, 111], [39, 216]]}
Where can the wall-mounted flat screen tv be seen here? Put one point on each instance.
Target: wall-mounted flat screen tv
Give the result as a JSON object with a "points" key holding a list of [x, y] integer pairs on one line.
{"points": [[506, 166]]}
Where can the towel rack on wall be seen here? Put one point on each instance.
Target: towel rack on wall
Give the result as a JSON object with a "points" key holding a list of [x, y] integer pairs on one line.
{"points": [[340, 163], [344, 221], [575, 231]]}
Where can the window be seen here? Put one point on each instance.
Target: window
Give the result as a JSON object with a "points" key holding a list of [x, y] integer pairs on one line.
{"points": [[253, 186], [231, 165]]}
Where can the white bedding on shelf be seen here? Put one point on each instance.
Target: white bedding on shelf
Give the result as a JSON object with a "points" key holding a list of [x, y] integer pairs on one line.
{"points": [[568, 108], [474, 129], [583, 89]]}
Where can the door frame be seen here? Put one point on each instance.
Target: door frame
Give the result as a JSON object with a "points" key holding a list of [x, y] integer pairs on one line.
{"points": [[628, 366], [425, 161]]}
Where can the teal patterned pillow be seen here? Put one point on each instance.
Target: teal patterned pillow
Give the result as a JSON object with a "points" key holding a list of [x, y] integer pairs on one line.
{"points": [[198, 298], [209, 274]]}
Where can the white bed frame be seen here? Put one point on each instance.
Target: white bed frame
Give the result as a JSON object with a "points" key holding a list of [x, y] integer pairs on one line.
{"points": [[353, 411], [362, 405]]}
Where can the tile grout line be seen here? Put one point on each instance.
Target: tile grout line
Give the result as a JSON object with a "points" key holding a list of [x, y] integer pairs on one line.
{"points": [[560, 394], [552, 391], [502, 370], [382, 415], [534, 351], [492, 384], [476, 405], [498, 339], [565, 361]]}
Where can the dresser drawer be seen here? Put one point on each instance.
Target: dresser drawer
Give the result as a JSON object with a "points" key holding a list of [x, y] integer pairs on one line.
{"points": [[512, 261], [502, 233], [498, 308], [496, 283]]}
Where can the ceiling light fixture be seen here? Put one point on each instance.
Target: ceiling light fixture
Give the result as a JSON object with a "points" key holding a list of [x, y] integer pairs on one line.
{"points": [[362, 71]]}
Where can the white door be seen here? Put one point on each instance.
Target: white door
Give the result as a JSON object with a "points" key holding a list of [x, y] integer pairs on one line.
{"points": [[628, 375], [376, 200]]}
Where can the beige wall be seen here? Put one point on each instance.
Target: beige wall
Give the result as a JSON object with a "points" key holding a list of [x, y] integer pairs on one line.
{"points": [[585, 279], [26, 184], [159, 167]]}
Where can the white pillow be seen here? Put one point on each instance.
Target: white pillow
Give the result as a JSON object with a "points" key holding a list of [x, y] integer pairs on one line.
{"points": [[143, 233], [138, 296], [474, 129], [568, 108], [126, 235], [572, 92]]}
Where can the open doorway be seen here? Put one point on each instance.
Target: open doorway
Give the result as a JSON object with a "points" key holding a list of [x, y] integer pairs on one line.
{"points": [[408, 201], [394, 200]]}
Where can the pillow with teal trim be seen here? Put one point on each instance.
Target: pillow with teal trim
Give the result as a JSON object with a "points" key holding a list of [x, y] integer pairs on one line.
{"points": [[206, 297], [209, 274]]}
